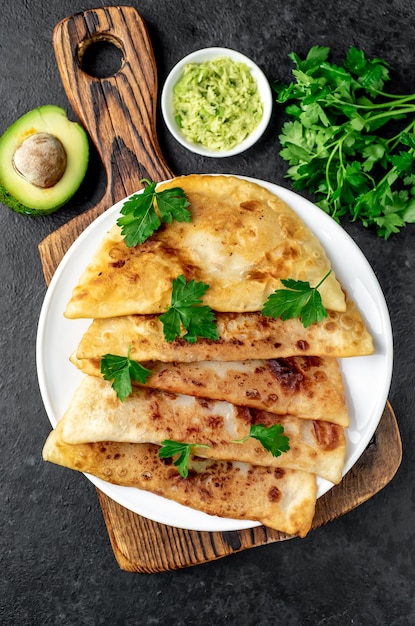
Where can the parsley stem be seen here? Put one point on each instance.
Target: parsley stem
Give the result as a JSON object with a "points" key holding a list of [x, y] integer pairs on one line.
{"points": [[396, 139], [337, 148], [389, 114], [323, 279], [400, 101], [397, 97]]}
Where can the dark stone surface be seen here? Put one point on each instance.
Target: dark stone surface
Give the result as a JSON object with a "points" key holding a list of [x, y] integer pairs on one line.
{"points": [[56, 563]]}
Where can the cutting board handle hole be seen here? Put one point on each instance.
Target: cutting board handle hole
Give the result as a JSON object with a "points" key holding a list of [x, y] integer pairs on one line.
{"points": [[101, 56]]}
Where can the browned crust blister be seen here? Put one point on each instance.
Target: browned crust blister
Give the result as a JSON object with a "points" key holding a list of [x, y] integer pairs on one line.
{"points": [[151, 415], [250, 335], [241, 241], [277, 498], [309, 387]]}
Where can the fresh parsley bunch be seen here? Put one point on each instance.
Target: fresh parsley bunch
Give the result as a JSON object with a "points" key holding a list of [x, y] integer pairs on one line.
{"points": [[342, 144]]}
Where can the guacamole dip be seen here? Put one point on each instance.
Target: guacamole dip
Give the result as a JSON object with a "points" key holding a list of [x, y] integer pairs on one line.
{"points": [[217, 103]]}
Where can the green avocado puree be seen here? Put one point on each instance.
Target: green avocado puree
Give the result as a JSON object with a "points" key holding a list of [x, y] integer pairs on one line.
{"points": [[217, 103]]}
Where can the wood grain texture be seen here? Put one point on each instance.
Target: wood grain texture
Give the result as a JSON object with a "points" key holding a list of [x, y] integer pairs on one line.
{"points": [[119, 114]]}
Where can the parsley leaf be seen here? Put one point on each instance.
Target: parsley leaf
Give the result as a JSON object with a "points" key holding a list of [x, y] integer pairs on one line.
{"points": [[298, 300], [271, 438], [121, 370], [186, 312], [347, 141], [170, 448], [143, 213]]}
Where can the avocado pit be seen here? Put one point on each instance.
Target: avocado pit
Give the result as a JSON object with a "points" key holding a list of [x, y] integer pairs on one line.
{"points": [[41, 160]]}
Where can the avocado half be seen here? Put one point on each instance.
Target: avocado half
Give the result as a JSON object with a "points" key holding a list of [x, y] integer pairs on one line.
{"points": [[43, 160]]}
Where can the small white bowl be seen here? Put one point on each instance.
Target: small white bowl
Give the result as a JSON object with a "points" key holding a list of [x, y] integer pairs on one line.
{"points": [[201, 56]]}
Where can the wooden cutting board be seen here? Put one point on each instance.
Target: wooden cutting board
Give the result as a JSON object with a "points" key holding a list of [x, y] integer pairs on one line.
{"points": [[119, 113]]}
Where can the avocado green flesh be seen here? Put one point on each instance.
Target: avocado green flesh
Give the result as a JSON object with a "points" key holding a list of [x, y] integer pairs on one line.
{"points": [[19, 194]]}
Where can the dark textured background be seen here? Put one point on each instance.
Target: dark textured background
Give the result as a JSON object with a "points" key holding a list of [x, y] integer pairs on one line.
{"points": [[56, 562]]}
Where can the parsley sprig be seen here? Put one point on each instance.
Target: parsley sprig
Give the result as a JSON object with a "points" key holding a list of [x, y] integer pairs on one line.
{"points": [[298, 300], [342, 143], [121, 370], [271, 438], [170, 448], [187, 312], [143, 213]]}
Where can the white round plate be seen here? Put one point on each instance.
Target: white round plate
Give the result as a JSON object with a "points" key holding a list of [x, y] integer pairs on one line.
{"points": [[367, 379]]}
